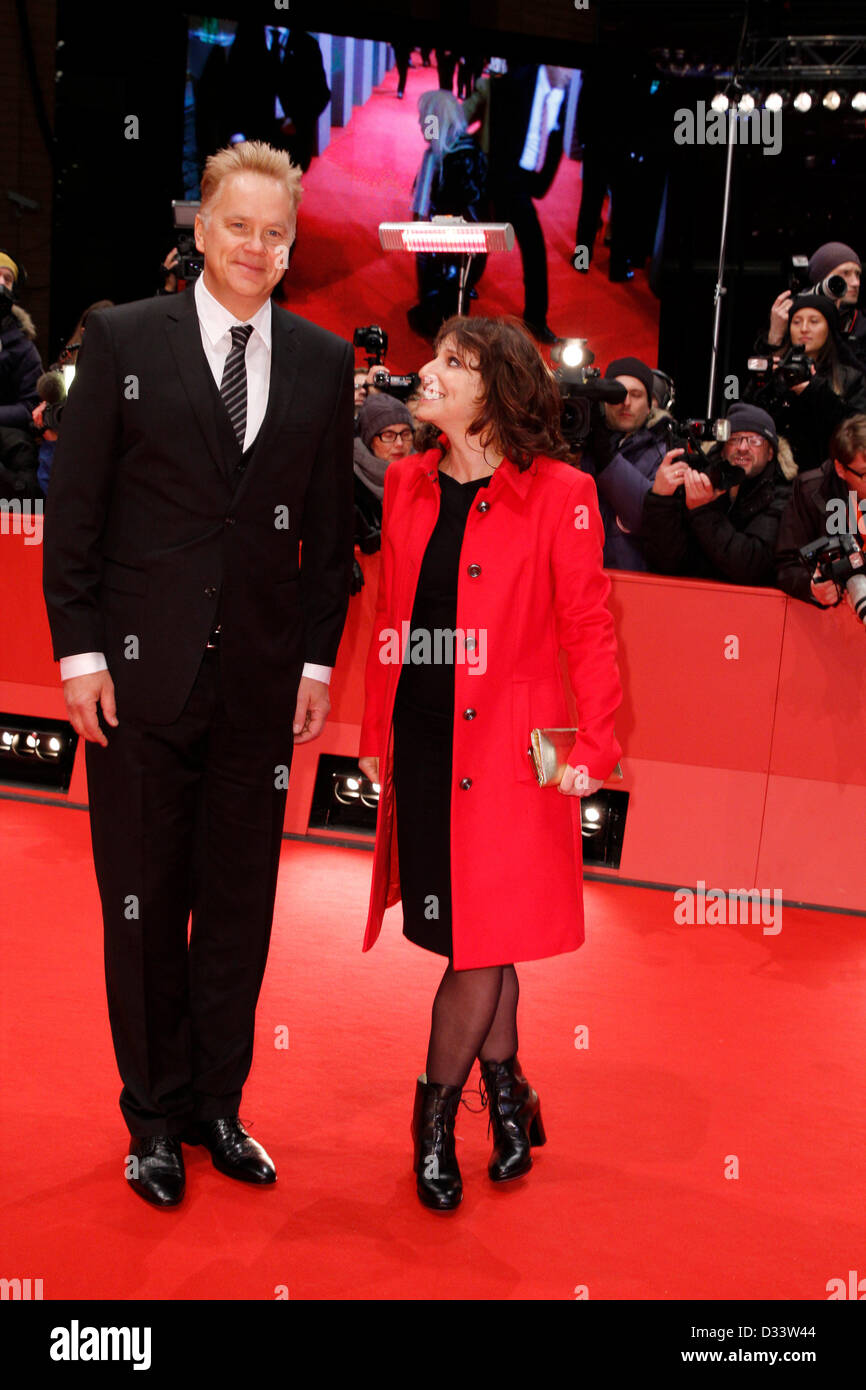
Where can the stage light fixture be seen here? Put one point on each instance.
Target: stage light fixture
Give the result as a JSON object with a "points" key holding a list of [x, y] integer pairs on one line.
{"points": [[832, 100], [571, 352], [858, 101], [804, 101], [36, 752], [447, 235], [775, 101], [719, 102], [746, 104]]}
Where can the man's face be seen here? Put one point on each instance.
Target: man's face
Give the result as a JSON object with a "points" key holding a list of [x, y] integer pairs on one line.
{"points": [[393, 442], [854, 476], [748, 451], [246, 240], [631, 413], [360, 389], [6, 277], [850, 272]]}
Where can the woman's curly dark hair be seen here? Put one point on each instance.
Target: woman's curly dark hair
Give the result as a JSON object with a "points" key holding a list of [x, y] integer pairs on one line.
{"points": [[520, 414]]}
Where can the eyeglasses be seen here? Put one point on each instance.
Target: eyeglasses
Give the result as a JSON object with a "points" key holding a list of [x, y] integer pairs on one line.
{"points": [[856, 472], [391, 436], [754, 441]]}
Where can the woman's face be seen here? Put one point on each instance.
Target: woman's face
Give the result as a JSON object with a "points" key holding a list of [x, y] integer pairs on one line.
{"points": [[393, 442], [809, 331], [451, 390]]}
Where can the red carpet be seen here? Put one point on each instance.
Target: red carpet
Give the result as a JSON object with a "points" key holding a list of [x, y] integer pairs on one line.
{"points": [[704, 1042], [341, 278]]}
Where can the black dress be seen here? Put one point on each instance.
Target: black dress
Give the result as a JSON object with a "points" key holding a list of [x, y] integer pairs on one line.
{"points": [[423, 729]]}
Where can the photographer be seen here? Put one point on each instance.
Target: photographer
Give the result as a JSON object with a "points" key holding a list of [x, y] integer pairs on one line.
{"points": [[625, 447], [814, 382], [716, 523], [20, 369], [818, 498], [385, 432], [834, 266]]}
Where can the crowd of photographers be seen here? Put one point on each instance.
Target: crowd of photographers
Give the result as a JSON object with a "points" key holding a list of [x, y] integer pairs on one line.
{"points": [[770, 495]]}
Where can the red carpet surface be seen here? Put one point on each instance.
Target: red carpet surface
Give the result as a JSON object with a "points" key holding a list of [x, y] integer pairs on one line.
{"points": [[341, 278], [703, 1043]]}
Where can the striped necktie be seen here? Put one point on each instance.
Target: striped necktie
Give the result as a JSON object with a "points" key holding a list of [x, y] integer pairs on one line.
{"points": [[233, 387]]}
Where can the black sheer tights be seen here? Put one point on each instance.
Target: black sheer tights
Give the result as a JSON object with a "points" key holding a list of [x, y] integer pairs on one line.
{"points": [[474, 1015]]}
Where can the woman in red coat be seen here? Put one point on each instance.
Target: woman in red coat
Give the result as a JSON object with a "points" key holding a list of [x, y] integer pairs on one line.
{"points": [[491, 562]]}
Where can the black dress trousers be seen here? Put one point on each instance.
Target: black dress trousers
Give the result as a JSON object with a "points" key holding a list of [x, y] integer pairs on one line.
{"points": [[186, 823], [423, 730]]}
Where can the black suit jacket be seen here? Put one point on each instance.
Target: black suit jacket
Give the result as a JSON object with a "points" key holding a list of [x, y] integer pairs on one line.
{"points": [[157, 526]]}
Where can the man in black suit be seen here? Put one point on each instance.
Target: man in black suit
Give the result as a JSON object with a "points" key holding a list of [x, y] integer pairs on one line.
{"points": [[275, 88], [207, 437]]}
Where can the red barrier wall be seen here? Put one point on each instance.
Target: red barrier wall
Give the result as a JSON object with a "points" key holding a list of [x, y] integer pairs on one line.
{"points": [[741, 726]]}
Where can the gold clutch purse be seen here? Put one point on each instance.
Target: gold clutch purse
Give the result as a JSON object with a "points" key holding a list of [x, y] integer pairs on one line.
{"points": [[549, 750]]}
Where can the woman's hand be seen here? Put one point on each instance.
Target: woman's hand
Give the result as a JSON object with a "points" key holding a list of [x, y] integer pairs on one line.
{"points": [[577, 782], [801, 387], [370, 768]]}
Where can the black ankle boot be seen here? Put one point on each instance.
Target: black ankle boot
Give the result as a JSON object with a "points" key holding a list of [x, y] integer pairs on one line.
{"points": [[515, 1115], [438, 1176]]}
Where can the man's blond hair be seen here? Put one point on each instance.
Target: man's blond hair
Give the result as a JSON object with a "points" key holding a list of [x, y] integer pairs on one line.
{"points": [[249, 157]]}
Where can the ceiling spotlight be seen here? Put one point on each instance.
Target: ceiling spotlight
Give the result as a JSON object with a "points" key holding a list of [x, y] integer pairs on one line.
{"points": [[832, 101], [858, 101], [746, 103], [719, 102], [775, 101], [803, 102]]}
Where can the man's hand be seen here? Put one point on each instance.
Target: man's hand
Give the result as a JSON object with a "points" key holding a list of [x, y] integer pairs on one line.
{"points": [[824, 591], [699, 489], [779, 315], [82, 695], [37, 420], [370, 768], [311, 709], [670, 474]]}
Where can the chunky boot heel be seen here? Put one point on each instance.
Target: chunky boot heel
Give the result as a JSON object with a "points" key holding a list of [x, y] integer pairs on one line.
{"points": [[537, 1136], [515, 1117], [437, 1175]]}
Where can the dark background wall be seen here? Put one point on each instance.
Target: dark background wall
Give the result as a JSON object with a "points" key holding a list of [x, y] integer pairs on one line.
{"points": [[112, 192]]}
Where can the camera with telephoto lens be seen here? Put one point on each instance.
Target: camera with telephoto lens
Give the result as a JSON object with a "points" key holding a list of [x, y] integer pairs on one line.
{"points": [[190, 261], [794, 368], [833, 287], [582, 389], [690, 435], [373, 340], [841, 559]]}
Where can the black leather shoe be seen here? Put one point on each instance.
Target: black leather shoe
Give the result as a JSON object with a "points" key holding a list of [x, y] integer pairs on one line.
{"points": [[437, 1175], [154, 1169], [232, 1150], [542, 332], [515, 1116]]}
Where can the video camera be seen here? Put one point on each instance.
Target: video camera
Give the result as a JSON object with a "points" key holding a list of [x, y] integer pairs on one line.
{"points": [[580, 386], [841, 559], [190, 261], [794, 368]]}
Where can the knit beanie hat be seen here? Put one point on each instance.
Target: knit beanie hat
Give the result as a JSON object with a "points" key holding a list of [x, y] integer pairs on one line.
{"points": [[824, 306], [751, 418], [827, 257], [380, 411], [632, 366]]}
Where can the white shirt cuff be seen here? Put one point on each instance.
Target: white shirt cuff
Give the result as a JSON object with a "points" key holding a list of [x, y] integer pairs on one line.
{"points": [[84, 664], [317, 673]]}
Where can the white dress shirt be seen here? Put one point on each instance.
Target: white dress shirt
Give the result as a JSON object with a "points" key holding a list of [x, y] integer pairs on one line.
{"points": [[215, 323], [545, 112]]}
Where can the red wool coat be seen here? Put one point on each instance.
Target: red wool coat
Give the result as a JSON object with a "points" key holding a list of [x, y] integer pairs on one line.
{"points": [[530, 581]]}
